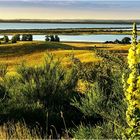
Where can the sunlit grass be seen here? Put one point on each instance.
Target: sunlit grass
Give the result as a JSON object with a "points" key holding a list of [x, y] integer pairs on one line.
{"points": [[18, 131], [33, 52]]}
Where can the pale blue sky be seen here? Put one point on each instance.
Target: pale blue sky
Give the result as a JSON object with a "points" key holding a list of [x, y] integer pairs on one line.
{"points": [[70, 9]]}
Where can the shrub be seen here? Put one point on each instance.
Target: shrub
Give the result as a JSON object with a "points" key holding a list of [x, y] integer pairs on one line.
{"points": [[106, 108], [27, 37], [6, 39], [18, 131], [15, 38], [43, 83], [117, 41], [103, 100], [56, 38], [47, 38], [106, 130], [40, 94], [126, 40], [52, 38]]}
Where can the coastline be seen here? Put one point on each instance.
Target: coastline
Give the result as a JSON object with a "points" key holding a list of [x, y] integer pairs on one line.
{"points": [[78, 31], [71, 21]]}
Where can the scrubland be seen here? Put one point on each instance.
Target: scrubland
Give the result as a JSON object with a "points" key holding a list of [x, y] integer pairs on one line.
{"points": [[63, 90]]}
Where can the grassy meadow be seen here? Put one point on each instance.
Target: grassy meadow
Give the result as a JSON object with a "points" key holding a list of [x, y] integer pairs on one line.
{"points": [[33, 52], [69, 70]]}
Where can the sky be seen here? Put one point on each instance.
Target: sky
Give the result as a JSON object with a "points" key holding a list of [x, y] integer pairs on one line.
{"points": [[69, 9]]}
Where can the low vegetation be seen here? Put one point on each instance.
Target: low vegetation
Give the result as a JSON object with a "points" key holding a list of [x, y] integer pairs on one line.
{"points": [[50, 95], [33, 52], [78, 100], [125, 40], [73, 31], [26, 37]]}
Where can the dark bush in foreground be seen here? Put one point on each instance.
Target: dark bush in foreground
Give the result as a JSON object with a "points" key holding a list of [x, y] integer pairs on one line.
{"points": [[46, 96], [103, 98], [40, 95]]}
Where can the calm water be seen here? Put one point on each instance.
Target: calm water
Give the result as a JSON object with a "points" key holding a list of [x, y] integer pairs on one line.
{"points": [[83, 38], [4, 26], [86, 38]]}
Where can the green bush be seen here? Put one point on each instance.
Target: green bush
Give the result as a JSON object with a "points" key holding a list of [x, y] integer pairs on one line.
{"points": [[15, 38], [38, 95], [103, 100], [18, 130], [6, 39], [126, 40], [39, 91], [106, 130], [27, 37]]}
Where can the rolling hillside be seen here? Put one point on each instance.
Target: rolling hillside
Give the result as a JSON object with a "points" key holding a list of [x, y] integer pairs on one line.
{"points": [[33, 52]]}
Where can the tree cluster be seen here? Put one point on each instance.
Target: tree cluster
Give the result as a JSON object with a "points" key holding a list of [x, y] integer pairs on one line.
{"points": [[27, 37], [125, 40], [52, 38], [15, 38]]}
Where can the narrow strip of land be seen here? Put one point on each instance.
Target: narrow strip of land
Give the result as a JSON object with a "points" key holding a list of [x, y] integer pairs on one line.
{"points": [[71, 31]]}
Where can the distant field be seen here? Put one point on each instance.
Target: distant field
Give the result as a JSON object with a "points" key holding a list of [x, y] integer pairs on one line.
{"points": [[33, 52]]}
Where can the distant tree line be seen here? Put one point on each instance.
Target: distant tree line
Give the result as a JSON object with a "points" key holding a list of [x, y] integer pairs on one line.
{"points": [[27, 37], [17, 37], [52, 38], [125, 40]]}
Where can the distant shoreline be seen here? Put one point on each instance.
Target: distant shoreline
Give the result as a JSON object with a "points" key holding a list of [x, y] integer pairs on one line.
{"points": [[78, 31], [72, 21]]}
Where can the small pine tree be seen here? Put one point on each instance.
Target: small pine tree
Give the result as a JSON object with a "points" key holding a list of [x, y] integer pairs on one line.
{"points": [[30, 37], [132, 92], [14, 40], [17, 37], [6, 39], [47, 38], [52, 38], [24, 37], [57, 39], [27, 37]]}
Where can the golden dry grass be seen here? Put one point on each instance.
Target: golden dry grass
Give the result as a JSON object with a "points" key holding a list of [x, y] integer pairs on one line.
{"points": [[99, 45], [18, 131], [33, 52]]}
